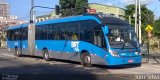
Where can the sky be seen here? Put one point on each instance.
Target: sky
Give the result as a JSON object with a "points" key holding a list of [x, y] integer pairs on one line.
{"points": [[21, 8]]}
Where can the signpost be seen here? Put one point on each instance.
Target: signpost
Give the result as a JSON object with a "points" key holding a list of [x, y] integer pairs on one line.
{"points": [[149, 29]]}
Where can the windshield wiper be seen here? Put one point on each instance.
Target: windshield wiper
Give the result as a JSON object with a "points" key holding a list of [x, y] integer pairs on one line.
{"points": [[124, 43], [123, 46], [135, 46]]}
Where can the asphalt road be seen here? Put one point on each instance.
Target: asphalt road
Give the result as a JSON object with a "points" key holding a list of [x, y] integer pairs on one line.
{"points": [[35, 68]]}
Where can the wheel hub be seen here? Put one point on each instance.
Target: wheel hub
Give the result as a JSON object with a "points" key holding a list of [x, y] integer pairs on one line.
{"points": [[87, 59], [46, 56]]}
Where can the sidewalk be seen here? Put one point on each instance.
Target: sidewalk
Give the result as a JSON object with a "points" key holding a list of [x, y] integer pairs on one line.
{"points": [[152, 60], [3, 47]]}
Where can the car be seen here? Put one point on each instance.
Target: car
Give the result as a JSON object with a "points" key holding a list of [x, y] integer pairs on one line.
{"points": [[144, 49]]}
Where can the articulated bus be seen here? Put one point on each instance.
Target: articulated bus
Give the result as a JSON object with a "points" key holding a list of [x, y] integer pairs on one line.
{"points": [[88, 39]]}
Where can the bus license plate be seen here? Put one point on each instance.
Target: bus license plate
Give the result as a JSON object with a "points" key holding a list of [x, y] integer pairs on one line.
{"points": [[130, 61]]}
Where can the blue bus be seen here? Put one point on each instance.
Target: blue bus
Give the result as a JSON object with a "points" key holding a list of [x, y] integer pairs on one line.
{"points": [[88, 39]]}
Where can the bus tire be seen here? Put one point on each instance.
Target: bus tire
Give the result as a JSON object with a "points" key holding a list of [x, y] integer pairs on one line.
{"points": [[17, 53], [46, 55], [86, 59], [138, 65]]}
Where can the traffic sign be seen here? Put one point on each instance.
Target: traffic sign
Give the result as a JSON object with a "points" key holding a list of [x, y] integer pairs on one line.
{"points": [[149, 28]]}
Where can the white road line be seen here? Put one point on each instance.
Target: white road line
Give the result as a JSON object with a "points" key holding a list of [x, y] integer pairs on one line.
{"points": [[2, 56], [150, 67], [8, 55], [133, 71], [125, 78]]}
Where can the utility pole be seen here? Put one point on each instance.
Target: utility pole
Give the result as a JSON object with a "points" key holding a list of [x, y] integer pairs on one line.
{"points": [[129, 19], [139, 22], [32, 19], [135, 28], [138, 15]]}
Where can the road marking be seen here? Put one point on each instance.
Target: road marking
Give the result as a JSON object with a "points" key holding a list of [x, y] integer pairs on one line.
{"points": [[150, 67], [8, 55], [78, 66], [124, 77], [2, 56]]}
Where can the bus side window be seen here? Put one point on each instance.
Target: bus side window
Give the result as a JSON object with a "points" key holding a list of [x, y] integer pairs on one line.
{"points": [[86, 30], [72, 30], [9, 35], [74, 37]]}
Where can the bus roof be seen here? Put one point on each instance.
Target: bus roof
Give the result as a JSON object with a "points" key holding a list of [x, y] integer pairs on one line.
{"points": [[61, 20], [17, 26], [96, 17], [113, 20]]}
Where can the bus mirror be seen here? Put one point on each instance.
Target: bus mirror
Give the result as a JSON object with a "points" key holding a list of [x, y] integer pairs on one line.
{"points": [[106, 29]]}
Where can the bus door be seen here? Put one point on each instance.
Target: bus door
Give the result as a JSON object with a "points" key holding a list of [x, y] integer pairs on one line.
{"points": [[97, 37], [31, 39], [99, 41]]}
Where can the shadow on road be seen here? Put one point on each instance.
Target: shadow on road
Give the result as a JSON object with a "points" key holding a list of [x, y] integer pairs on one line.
{"points": [[51, 72], [118, 66], [98, 66], [46, 72]]}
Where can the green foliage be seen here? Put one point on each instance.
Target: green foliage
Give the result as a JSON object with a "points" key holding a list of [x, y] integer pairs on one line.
{"points": [[146, 14], [129, 12], [147, 17], [72, 7], [156, 29], [80, 6]]}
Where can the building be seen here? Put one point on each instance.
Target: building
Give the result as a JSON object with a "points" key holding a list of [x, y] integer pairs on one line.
{"points": [[4, 23], [52, 15], [4, 9], [110, 10], [100, 9], [43, 17], [6, 20]]}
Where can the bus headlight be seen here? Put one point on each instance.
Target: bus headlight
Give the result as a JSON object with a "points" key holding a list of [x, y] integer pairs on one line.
{"points": [[114, 53], [138, 53]]}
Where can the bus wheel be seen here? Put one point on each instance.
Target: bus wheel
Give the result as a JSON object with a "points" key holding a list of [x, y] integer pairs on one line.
{"points": [[46, 55], [138, 65], [86, 59], [17, 53]]}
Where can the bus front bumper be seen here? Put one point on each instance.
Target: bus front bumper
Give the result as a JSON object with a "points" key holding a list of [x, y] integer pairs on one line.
{"points": [[124, 60]]}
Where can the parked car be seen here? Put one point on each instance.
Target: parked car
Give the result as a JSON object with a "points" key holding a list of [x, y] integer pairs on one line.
{"points": [[144, 49]]}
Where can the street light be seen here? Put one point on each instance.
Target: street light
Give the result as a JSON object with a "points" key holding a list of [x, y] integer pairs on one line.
{"points": [[31, 12]]}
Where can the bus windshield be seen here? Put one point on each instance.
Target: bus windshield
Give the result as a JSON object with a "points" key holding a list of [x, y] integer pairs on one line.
{"points": [[122, 36]]}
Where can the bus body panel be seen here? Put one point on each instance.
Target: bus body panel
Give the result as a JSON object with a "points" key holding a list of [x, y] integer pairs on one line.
{"points": [[20, 45], [124, 60], [25, 47], [71, 49], [64, 49], [12, 45], [128, 52]]}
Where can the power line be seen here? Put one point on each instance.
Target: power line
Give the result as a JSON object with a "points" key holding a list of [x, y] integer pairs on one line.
{"points": [[25, 16]]}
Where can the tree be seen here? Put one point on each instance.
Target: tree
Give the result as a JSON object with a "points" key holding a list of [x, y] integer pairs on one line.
{"points": [[72, 7], [146, 15], [80, 6], [156, 29]]}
